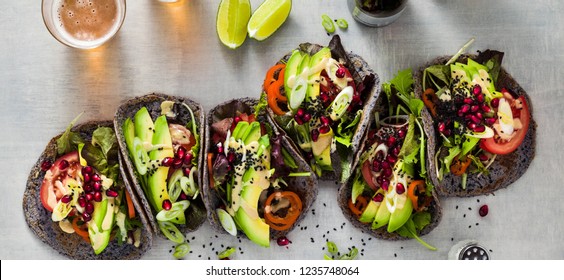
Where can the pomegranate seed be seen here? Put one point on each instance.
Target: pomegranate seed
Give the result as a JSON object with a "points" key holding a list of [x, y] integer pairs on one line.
{"points": [[340, 73], [484, 157], [111, 193], [180, 153], [385, 165], [186, 171], [465, 108], [87, 188], [188, 158], [471, 125], [400, 188], [468, 100], [177, 163], [391, 141], [87, 178], [167, 204], [480, 128], [183, 196], [98, 196], [324, 98], [486, 108], [380, 179], [474, 108], [447, 132], [324, 129], [402, 132], [325, 120], [378, 198], [231, 157], [219, 150], [314, 135], [96, 178], [86, 217], [474, 119], [89, 197], [477, 89], [307, 117], [442, 127], [480, 98], [66, 198], [300, 112], [376, 167], [89, 208], [483, 211], [87, 170], [299, 120], [479, 116], [396, 151], [46, 165], [387, 172], [385, 185], [97, 186], [237, 119], [490, 121], [391, 159], [282, 241], [166, 162], [64, 164], [495, 102], [82, 201]]}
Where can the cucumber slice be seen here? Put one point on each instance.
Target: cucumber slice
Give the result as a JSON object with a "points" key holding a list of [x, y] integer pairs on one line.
{"points": [[171, 232], [176, 210], [341, 103], [140, 156], [226, 221]]}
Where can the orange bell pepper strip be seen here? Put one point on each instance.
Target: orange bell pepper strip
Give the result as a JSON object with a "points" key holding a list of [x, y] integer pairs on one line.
{"points": [[130, 208], [358, 207], [430, 100], [412, 191], [458, 166], [80, 231], [293, 212], [210, 169], [269, 79]]}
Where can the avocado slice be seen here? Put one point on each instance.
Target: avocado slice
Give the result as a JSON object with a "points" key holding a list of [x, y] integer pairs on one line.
{"points": [[255, 228], [99, 228], [157, 179], [316, 59], [292, 68], [458, 71], [129, 133], [382, 217], [240, 130], [322, 150], [252, 133], [400, 216], [370, 212], [144, 126]]}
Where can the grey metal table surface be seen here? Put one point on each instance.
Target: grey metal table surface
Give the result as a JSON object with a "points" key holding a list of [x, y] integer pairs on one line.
{"points": [[174, 49]]}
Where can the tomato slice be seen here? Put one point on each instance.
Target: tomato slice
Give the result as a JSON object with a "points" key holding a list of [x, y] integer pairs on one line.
{"points": [[54, 185], [496, 146], [367, 174]]}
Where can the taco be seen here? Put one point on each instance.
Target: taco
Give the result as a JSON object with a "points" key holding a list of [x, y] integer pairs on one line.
{"points": [[76, 202], [390, 194], [481, 127], [159, 137], [256, 182], [322, 97]]}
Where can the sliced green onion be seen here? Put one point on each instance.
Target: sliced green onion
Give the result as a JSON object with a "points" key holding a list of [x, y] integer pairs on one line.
{"points": [[226, 221], [177, 209], [298, 93], [140, 156], [351, 255], [171, 232], [227, 253], [174, 188], [299, 174], [341, 103], [332, 247], [181, 250], [327, 23], [342, 23]]}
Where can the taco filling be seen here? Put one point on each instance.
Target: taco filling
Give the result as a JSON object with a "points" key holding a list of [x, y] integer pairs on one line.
{"points": [[390, 189], [248, 170], [84, 192], [165, 158], [475, 121]]}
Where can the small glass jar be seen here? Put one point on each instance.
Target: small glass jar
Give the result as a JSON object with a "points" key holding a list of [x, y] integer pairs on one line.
{"points": [[376, 13], [468, 250]]}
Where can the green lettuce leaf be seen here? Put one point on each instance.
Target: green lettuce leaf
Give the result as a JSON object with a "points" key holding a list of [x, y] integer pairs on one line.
{"points": [[69, 141], [345, 129]]}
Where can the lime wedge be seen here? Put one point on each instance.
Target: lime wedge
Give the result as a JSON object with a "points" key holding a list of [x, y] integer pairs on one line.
{"points": [[231, 22], [269, 16]]}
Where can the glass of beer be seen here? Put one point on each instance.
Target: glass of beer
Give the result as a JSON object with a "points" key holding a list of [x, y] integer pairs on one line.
{"points": [[83, 24], [376, 13]]}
